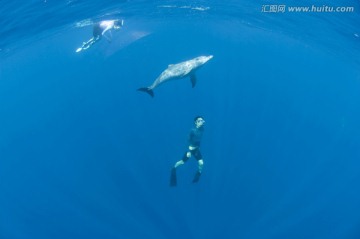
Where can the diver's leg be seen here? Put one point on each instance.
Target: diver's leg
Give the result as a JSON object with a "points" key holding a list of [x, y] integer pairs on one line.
{"points": [[200, 165], [89, 43], [185, 158], [173, 178], [198, 156]]}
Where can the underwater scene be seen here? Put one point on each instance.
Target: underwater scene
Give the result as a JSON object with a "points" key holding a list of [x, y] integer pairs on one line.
{"points": [[180, 119]]}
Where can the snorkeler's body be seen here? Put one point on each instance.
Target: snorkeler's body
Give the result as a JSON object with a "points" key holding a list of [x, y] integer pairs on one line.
{"points": [[194, 150], [101, 29]]}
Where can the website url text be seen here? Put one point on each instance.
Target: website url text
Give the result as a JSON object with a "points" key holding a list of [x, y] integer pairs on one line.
{"points": [[313, 8]]}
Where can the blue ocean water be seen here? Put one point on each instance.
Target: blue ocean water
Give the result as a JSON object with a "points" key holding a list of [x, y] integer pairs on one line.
{"points": [[85, 155]]}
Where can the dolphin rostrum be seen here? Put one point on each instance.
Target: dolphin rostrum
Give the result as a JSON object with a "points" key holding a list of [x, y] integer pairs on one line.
{"points": [[178, 71]]}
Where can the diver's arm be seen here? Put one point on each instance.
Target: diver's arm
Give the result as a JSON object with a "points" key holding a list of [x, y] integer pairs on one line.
{"points": [[108, 35]]}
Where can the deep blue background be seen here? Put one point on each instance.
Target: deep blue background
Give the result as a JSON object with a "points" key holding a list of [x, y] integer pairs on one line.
{"points": [[84, 155]]}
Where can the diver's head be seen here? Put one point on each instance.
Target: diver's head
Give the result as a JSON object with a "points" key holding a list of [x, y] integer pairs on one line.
{"points": [[199, 121], [118, 24]]}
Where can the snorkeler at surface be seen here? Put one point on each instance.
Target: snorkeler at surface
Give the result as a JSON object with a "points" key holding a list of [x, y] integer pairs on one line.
{"points": [[102, 29]]}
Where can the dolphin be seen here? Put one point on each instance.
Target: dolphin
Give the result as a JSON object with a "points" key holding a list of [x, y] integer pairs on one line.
{"points": [[178, 71]]}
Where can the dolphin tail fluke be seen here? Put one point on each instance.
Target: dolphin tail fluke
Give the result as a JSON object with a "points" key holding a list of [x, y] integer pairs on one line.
{"points": [[193, 80], [147, 90]]}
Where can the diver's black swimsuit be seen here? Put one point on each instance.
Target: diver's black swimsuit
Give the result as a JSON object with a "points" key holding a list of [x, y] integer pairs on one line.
{"points": [[194, 141]]}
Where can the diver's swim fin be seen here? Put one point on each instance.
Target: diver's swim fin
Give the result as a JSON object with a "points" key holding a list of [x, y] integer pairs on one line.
{"points": [[147, 90], [173, 181], [196, 177]]}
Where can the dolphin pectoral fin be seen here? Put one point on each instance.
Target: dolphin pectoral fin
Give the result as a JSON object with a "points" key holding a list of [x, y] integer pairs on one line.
{"points": [[193, 80], [147, 90]]}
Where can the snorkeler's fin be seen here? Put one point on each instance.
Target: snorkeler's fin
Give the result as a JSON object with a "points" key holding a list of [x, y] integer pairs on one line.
{"points": [[196, 177], [173, 181], [147, 90], [87, 44], [193, 80]]}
